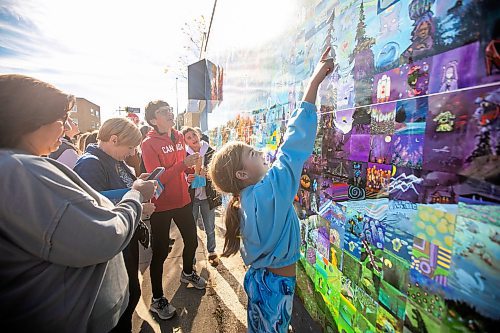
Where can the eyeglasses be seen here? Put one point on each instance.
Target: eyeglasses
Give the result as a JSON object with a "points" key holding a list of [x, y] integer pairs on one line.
{"points": [[165, 110]]}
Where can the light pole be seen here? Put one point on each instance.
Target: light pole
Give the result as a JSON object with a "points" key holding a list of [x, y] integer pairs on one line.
{"points": [[176, 103]]}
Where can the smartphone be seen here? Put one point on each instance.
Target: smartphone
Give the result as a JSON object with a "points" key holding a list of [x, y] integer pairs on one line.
{"points": [[156, 173]]}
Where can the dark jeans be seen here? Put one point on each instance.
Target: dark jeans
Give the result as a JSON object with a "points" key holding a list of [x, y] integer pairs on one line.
{"points": [[131, 257], [160, 232]]}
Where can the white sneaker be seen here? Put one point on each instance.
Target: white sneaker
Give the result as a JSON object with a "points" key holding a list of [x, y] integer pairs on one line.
{"points": [[162, 308], [196, 281]]}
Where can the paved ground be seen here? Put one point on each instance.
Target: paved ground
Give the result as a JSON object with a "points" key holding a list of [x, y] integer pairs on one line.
{"points": [[221, 308]]}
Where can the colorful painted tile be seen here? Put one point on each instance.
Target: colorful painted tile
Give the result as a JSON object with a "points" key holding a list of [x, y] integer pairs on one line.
{"points": [[419, 320], [333, 187], [474, 274], [363, 325], [388, 86], [323, 242], [378, 177], [373, 233], [431, 261], [380, 149], [347, 310], [399, 243], [335, 143], [367, 306], [487, 214], [411, 115], [328, 283], [353, 232], [401, 215], [392, 300], [439, 188], [462, 317], [392, 26], [405, 184], [408, 151], [424, 298], [455, 69], [446, 129], [359, 147], [435, 225], [416, 77], [351, 268], [386, 322], [336, 255], [481, 145], [396, 272], [335, 213], [481, 193], [343, 120], [361, 120], [383, 116]]}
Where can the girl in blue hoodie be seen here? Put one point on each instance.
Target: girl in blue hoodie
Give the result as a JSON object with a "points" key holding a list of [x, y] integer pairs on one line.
{"points": [[261, 211]]}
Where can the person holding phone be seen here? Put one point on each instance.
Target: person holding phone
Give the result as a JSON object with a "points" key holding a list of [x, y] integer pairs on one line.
{"points": [[103, 167], [164, 146], [61, 268], [156, 173]]}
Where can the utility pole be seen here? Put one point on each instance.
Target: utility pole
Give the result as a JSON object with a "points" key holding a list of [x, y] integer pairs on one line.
{"points": [[209, 27], [203, 39], [177, 103], [120, 111]]}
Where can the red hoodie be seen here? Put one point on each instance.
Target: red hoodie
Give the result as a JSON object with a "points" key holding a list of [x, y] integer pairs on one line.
{"points": [[160, 150]]}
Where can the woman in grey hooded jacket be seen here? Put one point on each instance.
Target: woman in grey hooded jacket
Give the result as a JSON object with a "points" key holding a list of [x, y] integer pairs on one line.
{"points": [[61, 268]]}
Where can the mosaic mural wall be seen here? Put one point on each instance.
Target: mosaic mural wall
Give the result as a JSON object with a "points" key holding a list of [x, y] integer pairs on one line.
{"points": [[399, 202]]}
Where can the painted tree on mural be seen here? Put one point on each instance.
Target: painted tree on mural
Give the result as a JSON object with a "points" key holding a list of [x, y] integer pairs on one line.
{"points": [[459, 26], [330, 37], [364, 65], [328, 90]]}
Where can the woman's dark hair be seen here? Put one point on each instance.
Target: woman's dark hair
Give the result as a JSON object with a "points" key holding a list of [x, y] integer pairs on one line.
{"points": [[144, 130], [91, 138], [81, 141], [187, 129], [26, 104]]}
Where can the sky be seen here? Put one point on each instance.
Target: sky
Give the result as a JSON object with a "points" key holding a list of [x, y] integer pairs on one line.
{"points": [[125, 53]]}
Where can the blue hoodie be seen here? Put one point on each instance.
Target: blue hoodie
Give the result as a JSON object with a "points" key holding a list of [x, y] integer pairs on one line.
{"points": [[270, 227], [100, 170]]}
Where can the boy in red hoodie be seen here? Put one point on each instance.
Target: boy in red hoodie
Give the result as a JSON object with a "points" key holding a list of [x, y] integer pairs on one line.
{"points": [[164, 146]]}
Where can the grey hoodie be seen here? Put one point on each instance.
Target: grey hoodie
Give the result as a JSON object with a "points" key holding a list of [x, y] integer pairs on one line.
{"points": [[61, 267]]}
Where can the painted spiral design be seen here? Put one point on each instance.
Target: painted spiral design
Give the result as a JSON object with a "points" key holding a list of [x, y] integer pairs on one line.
{"points": [[356, 193]]}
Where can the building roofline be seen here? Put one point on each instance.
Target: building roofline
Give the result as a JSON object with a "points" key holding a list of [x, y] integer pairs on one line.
{"points": [[87, 101]]}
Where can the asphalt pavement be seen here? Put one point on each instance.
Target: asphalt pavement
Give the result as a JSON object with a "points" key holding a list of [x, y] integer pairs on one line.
{"points": [[221, 308]]}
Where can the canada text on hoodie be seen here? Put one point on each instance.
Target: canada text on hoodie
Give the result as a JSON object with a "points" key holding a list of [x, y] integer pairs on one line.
{"points": [[160, 150]]}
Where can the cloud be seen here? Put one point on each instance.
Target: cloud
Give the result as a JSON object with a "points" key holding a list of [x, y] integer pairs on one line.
{"points": [[112, 53]]}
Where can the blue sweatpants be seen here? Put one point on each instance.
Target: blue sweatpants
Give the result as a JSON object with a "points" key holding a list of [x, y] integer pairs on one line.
{"points": [[270, 301]]}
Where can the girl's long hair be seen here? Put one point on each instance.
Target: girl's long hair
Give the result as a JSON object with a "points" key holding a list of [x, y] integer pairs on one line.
{"points": [[232, 220], [222, 171]]}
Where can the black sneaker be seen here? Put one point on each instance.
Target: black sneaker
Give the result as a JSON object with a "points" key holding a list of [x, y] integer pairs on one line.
{"points": [[196, 281], [162, 308]]}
